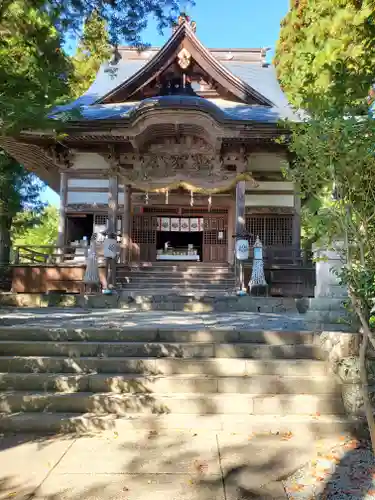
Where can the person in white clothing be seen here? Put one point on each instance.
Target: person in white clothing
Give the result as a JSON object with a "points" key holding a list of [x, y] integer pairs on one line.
{"points": [[110, 248]]}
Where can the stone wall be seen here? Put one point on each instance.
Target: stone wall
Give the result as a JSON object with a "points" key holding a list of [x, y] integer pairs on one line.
{"points": [[342, 351]]}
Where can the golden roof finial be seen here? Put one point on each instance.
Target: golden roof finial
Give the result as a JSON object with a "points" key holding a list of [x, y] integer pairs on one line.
{"points": [[182, 19]]}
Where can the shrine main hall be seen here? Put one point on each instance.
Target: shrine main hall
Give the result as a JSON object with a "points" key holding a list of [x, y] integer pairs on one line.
{"points": [[175, 150]]}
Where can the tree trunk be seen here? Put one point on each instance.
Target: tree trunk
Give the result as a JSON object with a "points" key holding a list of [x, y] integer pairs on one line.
{"points": [[365, 393], [5, 243], [366, 336]]}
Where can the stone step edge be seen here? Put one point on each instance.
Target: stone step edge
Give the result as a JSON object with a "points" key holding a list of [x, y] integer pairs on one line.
{"points": [[81, 424], [156, 343], [155, 329], [178, 376], [166, 395], [143, 337], [332, 388], [248, 366]]}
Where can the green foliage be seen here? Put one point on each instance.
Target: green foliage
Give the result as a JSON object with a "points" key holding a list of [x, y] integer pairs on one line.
{"points": [[36, 74], [126, 19], [326, 49], [30, 228], [336, 154], [93, 49], [33, 67], [319, 218], [19, 190]]}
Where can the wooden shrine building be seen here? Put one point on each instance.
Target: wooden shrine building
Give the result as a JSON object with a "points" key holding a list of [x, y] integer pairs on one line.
{"points": [[173, 148]]}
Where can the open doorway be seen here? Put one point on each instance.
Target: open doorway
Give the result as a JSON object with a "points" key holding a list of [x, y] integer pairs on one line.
{"points": [[179, 245], [79, 227]]}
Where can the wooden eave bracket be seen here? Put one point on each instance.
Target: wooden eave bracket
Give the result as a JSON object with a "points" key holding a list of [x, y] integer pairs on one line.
{"points": [[185, 37]]}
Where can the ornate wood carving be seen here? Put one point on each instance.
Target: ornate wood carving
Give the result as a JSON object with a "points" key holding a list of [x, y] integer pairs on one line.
{"points": [[181, 145], [114, 161], [197, 166], [62, 156]]}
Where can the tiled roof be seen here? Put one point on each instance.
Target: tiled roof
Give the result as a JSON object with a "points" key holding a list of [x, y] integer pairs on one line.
{"points": [[225, 110], [264, 80], [261, 78], [108, 78]]}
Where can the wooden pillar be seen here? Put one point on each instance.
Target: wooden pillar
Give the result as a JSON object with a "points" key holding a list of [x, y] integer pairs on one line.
{"points": [[126, 226], [61, 238], [240, 207], [240, 225], [112, 224], [231, 230]]}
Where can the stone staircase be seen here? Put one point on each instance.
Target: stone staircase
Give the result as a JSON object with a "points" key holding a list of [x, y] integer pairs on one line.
{"points": [[177, 278], [88, 380]]}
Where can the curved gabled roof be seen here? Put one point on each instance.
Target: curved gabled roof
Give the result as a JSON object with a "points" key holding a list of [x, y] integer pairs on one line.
{"points": [[248, 80]]}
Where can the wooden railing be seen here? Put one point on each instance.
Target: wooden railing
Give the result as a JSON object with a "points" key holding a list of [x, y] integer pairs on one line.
{"points": [[49, 254], [284, 256]]}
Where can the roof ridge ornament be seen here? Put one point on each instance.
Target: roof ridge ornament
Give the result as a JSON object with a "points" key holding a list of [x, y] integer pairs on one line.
{"points": [[183, 18]]}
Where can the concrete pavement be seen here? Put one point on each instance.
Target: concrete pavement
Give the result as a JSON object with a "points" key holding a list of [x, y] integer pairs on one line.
{"points": [[152, 464]]}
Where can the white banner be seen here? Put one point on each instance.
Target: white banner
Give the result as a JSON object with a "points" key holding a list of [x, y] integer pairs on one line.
{"points": [[175, 224], [185, 225], [196, 224], [165, 224]]}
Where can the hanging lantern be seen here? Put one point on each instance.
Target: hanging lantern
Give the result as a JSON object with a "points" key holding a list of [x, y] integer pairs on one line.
{"points": [[209, 202], [191, 198], [166, 197], [146, 198]]}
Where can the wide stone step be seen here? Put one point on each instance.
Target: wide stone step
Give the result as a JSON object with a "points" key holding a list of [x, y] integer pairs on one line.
{"points": [[115, 383], [174, 288], [178, 273], [179, 266], [250, 424], [166, 293], [75, 349], [163, 366], [271, 337], [147, 280], [151, 403]]}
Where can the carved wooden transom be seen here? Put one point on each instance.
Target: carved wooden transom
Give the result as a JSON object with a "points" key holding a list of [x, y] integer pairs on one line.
{"points": [[175, 161]]}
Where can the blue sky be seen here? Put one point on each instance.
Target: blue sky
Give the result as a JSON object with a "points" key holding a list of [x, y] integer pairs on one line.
{"points": [[251, 23]]}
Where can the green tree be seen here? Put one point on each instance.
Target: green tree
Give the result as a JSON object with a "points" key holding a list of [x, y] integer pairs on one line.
{"points": [[326, 49], [36, 74], [93, 49], [19, 190], [338, 152], [33, 66], [36, 229]]}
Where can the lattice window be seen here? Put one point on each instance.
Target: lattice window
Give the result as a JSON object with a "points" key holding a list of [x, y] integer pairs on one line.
{"points": [[273, 230], [143, 230], [212, 227], [102, 220], [212, 237]]}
